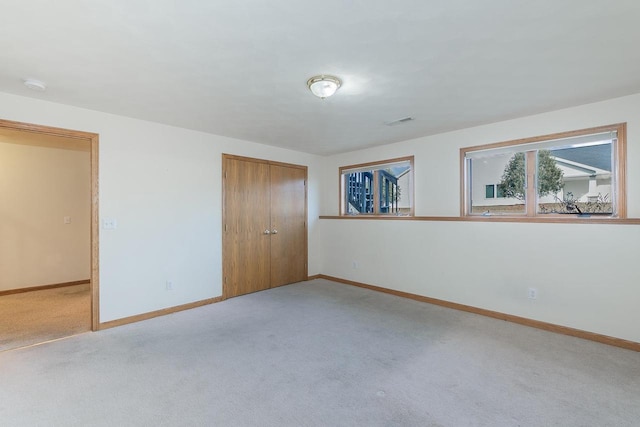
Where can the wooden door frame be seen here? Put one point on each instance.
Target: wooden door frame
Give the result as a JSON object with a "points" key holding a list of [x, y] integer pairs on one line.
{"points": [[226, 156], [92, 139]]}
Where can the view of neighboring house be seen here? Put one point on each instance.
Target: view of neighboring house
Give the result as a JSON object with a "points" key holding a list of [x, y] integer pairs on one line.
{"points": [[586, 171], [586, 179]]}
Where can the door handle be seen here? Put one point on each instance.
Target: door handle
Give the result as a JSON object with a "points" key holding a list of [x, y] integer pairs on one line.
{"points": [[274, 231], [266, 232]]}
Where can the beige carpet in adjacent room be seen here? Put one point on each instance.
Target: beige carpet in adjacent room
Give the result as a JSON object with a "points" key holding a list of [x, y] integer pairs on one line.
{"points": [[33, 317]]}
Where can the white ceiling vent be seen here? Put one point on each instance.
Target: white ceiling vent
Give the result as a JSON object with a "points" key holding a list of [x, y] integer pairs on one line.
{"points": [[399, 121]]}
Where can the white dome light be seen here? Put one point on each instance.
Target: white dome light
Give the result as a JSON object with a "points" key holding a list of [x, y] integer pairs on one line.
{"points": [[323, 86]]}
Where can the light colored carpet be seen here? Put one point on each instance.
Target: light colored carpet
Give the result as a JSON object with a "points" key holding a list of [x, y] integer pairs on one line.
{"points": [[33, 317], [320, 354]]}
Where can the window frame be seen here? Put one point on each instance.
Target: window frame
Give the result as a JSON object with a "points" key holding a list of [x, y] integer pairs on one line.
{"points": [[342, 208], [619, 173]]}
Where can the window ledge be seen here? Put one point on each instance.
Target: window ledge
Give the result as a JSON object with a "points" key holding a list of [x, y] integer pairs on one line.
{"points": [[363, 216], [553, 220]]}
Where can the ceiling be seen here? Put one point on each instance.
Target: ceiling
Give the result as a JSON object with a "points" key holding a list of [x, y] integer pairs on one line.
{"points": [[240, 68]]}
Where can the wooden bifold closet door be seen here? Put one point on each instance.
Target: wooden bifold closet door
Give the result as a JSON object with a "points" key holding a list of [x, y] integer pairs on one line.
{"points": [[264, 225]]}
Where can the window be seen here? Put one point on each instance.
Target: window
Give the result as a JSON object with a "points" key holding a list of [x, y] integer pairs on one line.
{"points": [[379, 188], [489, 191], [579, 173], [493, 190]]}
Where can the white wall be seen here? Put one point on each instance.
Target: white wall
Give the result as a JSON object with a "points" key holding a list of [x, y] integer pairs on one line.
{"points": [[39, 186], [163, 186], [491, 265]]}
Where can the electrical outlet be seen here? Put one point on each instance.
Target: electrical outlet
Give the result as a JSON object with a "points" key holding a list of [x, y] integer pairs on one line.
{"points": [[532, 293], [109, 224], [354, 265], [169, 285]]}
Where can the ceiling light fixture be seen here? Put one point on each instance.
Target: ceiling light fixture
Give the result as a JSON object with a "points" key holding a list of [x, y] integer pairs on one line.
{"points": [[323, 86], [34, 84]]}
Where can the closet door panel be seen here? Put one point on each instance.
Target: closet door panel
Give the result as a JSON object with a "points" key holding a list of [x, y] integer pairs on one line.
{"points": [[288, 225], [246, 220]]}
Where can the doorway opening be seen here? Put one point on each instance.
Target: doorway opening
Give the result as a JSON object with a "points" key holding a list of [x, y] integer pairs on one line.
{"points": [[49, 251]]}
